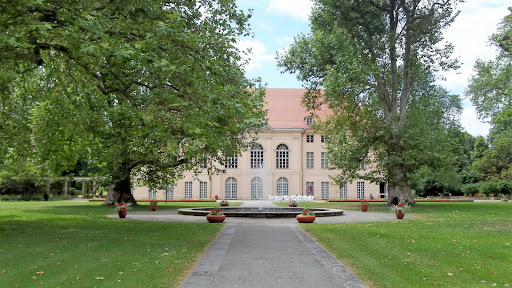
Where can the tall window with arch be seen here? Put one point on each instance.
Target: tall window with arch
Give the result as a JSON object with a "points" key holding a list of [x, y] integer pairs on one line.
{"points": [[282, 157], [282, 186], [169, 191], [256, 188], [256, 156], [231, 188]]}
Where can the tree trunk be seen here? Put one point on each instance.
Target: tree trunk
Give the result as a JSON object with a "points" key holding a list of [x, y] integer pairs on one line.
{"points": [[120, 187], [399, 190], [398, 186]]}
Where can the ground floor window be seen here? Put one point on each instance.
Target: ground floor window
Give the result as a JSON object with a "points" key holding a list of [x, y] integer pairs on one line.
{"points": [[256, 188], [188, 190], [169, 192], [282, 186], [231, 188], [344, 191], [310, 189], [203, 190], [325, 190], [360, 190], [152, 193]]}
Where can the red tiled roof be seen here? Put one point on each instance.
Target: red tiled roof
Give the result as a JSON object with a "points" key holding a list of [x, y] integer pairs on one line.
{"points": [[285, 108]]}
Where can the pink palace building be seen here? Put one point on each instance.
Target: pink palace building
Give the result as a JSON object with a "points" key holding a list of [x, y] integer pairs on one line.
{"points": [[288, 158]]}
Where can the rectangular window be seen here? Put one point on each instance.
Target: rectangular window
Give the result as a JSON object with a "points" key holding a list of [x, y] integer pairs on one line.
{"points": [[360, 190], [152, 193], [203, 190], [323, 138], [310, 189], [169, 192], [309, 120], [344, 191], [310, 160], [325, 163], [231, 162], [310, 138], [325, 190], [257, 157], [188, 190]]}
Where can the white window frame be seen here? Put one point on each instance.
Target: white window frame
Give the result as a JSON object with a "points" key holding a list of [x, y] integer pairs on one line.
{"points": [[325, 190], [344, 191], [188, 190], [169, 191], [282, 186], [324, 163], [152, 193], [256, 188], [256, 156], [231, 162], [231, 188], [309, 120], [310, 188], [282, 156], [310, 138], [310, 160], [360, 190], [203, 189], [323, 139]]}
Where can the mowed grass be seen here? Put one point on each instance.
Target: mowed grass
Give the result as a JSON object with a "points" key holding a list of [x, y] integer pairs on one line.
{"points": [[443, 245], [75, 244]]}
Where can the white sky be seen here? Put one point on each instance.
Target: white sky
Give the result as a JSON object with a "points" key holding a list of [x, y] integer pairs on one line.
{"points": [[276, 22]]}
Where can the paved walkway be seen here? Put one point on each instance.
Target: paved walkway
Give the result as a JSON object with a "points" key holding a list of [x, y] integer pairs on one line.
{"points": [[268, 256], [275, 252]]}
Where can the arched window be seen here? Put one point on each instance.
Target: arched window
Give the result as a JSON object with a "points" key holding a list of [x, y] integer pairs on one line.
{"points": [[256, 156], [282, 156], [282, 186], [231, 188], [169, 192], [256, 188]]}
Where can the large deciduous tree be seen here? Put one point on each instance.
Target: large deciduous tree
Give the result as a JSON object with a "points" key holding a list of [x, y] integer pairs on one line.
{"points": [[145, 88], [490, 88], [372, 61]]}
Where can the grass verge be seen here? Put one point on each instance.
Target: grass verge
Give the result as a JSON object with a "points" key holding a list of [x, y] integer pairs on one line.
{"points": [[443, 245], [74, 244]]}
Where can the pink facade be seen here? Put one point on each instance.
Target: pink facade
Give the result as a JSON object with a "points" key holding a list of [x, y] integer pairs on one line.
{"points": [[287, 161]]}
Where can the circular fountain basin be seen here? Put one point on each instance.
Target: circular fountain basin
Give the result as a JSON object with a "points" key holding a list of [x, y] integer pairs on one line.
{"points": [[259, 212]]}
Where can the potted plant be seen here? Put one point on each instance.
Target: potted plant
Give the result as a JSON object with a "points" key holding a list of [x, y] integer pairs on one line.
{"points": [[292, 203], [307, 216], [400, 210], [153, 205], [215, 216], [122, 209], [224, 203], [364, 205]]}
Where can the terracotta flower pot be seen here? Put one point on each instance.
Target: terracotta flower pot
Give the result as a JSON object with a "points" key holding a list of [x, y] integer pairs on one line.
{"points": [[305, 218], [215, 218], [224, 204], [153, 206], [364, 207], [399, 214], [122, 213]]}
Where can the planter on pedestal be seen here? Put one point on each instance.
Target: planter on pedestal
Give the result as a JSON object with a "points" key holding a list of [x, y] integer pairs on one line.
{"points": [[305, 218], [215, 218]]}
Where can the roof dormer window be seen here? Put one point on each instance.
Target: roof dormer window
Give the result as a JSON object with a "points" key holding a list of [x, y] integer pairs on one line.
{"points": [[309, 120]]}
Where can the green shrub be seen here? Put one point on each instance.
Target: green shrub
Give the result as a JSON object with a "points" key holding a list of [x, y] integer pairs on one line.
{"points": [[471, 189], [489, 188], [505, 187]]}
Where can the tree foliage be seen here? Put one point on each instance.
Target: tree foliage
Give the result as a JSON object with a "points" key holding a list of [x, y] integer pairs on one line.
{"points": [[372, 62], [490, 88], [151, 87]]}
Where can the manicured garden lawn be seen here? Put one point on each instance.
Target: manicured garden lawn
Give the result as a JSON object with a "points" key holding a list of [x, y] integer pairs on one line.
{"points": [[74, 244], [443, 245]]}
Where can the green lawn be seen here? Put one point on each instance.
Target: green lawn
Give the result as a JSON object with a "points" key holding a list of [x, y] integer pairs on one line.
{"points": [[74, 244], [444, 245]]}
